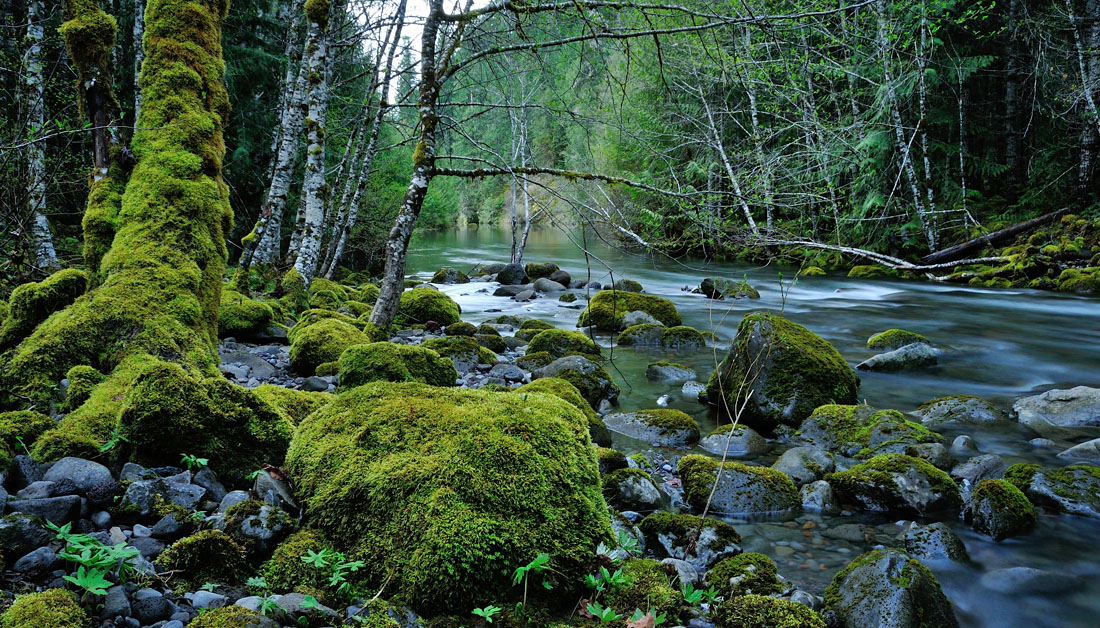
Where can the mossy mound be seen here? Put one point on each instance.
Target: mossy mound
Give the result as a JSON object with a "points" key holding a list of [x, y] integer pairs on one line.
{"points": [[886, 587], [312, 316], [461, 328], [294, 404], [231, 617], [53, 608], [286, 571], [444, 491], [207, 556], [610, 460], [1021, 474], [626, 285], [788, 369], [20, 428], [326, 300], [322, 342], [722, 288], [761, 611], [998, 509], [811, 271], [464, 351], [449, 276], [654, 335], [568, 392], [562, 342], [534, 360], [673, 535], [606, 310], [239, 315], [744, 574], [493, 342], [538, 271], [421, 305], [870, 272], [367, 293], [897, 483], [742, 489], [32, 303], [1079, 281], [591, 379], [862, 431], [651, 586], [82, 379], [387, 361], [895, 339]]}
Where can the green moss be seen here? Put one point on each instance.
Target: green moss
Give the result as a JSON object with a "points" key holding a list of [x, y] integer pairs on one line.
{"points": [[239, 315], [811, 271], [606, 310], [534, 360], [21, 426], [387, 361], [507, 319], [295, 292], [877, 481], [325, 300], [562, 389], [317, 11], [998, 508], [847, 428], [285, 571], [641, 335], [761, 611], [492, 342], [614, 495], [421, 305], [450, 275], [698, 474], [444, 491], [610, 460], [1079, 280], [668, 419], [870, 272], [295, 405], [533, 324], [537, 271], [367, 293], [207, 556], [914, 576], [894, 339], [82, 379], [1020, 475], [680, 528], [32, 303], [461, 328], [722, 288], [751, 573], [53, 608], [461, 347], [788, 369], [626, 285], [682, 337], [322, 342], [560, 342], [311, 316], [651, 587], [228, 617]]}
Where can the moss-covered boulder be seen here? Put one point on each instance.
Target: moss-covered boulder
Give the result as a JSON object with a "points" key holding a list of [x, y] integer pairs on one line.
{"points": [[662, 427], [788, 369], [533, 360], [959, 410], [562, 342], [656, 335], [899, 484], [626, 285], [761, 611], [19, 429], [664, 371], [464, 351], [52, 608], [461, 328], [233, 617], [294, 404], [812, 271], [1074, 489], [322, 342], [531, 327], [421, 305], [286, 571], [631, 489], [450, 276], [734, 441], [593, 382], [312, 316], [722, 288], [887, 587], [895, 339], [240, 316], [562, 389], [742, 490], [539, 270], [82, 379], [1000, 510], [391, 362], [651, 587], [206, 556], [610, 460], [493, 342], [868, 271], [31, 303], [701, 542], [744, 574], [1079, 281], [862, 431], [442, 492], [606, 310]]}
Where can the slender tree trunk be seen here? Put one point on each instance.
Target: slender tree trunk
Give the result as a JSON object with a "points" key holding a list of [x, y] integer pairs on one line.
{"points": [[922, 65], [721, 150], [757, 138], [139, 52], [962, 139], [525, 189], [1013, 87], [44, 253], [293, 62], [1088, 63], [397, 243]]}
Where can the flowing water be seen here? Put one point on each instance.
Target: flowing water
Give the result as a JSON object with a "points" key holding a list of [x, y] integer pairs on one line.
{"points": [[1001, 345]]}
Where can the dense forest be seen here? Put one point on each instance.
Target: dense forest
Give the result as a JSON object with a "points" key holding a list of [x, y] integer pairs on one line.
{"points": [[549, 314]]}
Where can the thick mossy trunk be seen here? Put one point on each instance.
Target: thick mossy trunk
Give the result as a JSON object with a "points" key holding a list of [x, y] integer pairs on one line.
{"points": [[161, 278]]}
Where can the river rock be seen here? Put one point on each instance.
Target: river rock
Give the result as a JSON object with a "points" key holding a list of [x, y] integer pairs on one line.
{"points": [[745, 442], [963, 445], [742, 489], [935, 542], [142, 493], [1061, 412], [631, 489], [660, 428], [805, 464], [116, 603], [1088, 451], [984, 467], [56, 510], [593, 382], [21, 533], [206, 478], [37, 563], [671, 535], [897, 483], [1074, 489], [450, 276], [149, 606], [818, 497], [85, 474], [935, 453], [562, 277], [512, 275], [510, 291], [887, 587], [1000, 510], [911, 356], [669, 372], [526, 295], [722, 288], [542, 284], [638, 317], [958, 410]]}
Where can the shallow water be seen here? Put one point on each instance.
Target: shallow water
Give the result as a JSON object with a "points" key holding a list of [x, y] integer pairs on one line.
{"points": [[1003, 344]]}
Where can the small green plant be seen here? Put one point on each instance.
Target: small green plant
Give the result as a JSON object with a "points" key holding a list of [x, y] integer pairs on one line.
{"points": [[638, 616], [627, 546], [192, 461], [19, 439], [116, 438], [606, 579], [310, 602], [93, 581], [255, 474], [692, 595], [209, 586], [601, 613], [268, 606], [256, 582], [539, 565], [712, 596], [336, 565], [95, 561], [487, 612]]}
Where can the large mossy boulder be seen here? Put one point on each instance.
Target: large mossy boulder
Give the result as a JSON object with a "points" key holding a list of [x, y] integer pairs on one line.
{"points": [[450, 276], [657, 335], [742, 489], [722, 288], [1074, 489], [701, 542], [312, 316], [606, 310], [323, 342], [294, 404], [443, 492], [745, 574], [391, 362], [897, 484], [562, 389], [537, 270], [464, 351], [862, 431], [661, 427], [895, 339], [999, 509], [52, 608], [788, 369], [591, 379], [421, 305], [562, 342], [240, 315], [958, 410], [886, 587], [631, 489], [762, 611]]}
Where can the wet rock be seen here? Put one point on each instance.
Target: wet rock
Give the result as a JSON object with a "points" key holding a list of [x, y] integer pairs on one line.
{"points": [[963, 445], [818, 497], [508, 372], [861, 431], [562, 277], [1061, 412], [56, 510], [83, 473], [722, 288], [935, 541], [674, 536], [37, 563], [450, 276], [316, 384], [741, 490], [668, 372], [512, 275], [984, 467], [142, 494], [207, 479], [935, 453], [275, 491], [660, 428], [509, 291], [542, 284], [912, 356], [22, 471], [206, 600], [38, 490], [21, 533], [525, 296], [685, 570], [1088, 452], [897, 483], [150, 606], [149, 547], [886, 587], [593, 382], [265, 528], [169, 528], [1074, 489], [1000, 510], [116, 603], [805, 464], [631, 489], [744, 442], [959, 410], [232, 498], [637, 317]]}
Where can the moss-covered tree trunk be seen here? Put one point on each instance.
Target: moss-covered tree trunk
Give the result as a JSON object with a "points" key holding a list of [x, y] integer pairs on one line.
{"points": [[151, 324]]}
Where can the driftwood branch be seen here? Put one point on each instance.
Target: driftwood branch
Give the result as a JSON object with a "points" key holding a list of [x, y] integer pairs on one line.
{"points": [[981, 242], [879, 258]]}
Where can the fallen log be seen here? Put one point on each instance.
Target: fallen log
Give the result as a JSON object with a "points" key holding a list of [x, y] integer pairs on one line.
{"points": [[954, 252]]}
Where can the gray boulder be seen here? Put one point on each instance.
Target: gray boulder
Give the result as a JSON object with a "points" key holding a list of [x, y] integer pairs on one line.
{"points": [[1088, 451], [562, 277], [818, 497], [668, 372], [512, 275], [660, 428], [85, 474], [959, 410], [1074, 489], [143, 493], [21, 533], [542, 284], [887, 587], [638, 317], [149, 606], [741, 489], [56, 510], [593, 382], [910, 356], [205, 478], [805, 464], [934, 542], [745, 442], [37, 563], [983, 467], [1061, 412]]}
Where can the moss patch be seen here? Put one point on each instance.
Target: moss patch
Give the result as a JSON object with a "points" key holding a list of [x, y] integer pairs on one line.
{"points": [[207, 556], [761, 611], [562, 389], [606, 310], [387, 361], [744, 574], [32, 303], [322, 342], [885, 482], [421, 305], [239, 315], [53, 608], [894, 339], [560, 342]]}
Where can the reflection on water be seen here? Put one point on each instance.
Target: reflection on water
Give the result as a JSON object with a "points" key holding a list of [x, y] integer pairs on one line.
{"points": [[1003, 344]]}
